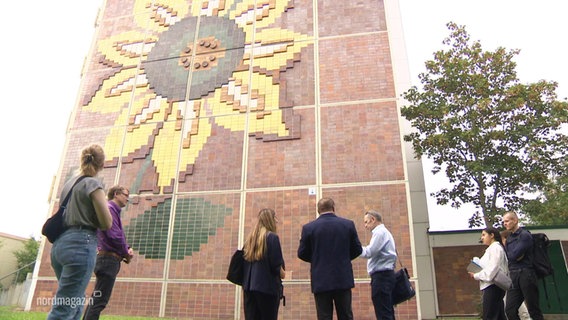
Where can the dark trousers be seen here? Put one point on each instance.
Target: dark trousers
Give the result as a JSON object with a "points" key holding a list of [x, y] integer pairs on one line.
{"points": [[493, 306], [524, 288], [382, 285], [106, 269], [261, 306], [342, 301]]}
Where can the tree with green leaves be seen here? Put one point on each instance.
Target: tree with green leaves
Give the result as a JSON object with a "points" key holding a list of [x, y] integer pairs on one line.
{"points": [[550, 208], [25, 257], [497, 140]]}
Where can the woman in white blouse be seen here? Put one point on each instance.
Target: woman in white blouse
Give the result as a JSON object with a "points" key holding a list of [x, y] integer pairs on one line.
{"points": [[493, 260]]}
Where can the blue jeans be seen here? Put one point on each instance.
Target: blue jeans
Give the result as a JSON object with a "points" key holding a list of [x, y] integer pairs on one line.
{"points": [[382, 285], [73, 257]]}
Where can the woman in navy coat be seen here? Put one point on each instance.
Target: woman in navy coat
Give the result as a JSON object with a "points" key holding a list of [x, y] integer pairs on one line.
{"points": [[264, 269]]}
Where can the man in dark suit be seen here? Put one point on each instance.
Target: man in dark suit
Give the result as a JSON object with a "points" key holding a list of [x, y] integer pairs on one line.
{"points": [[329, 243]]}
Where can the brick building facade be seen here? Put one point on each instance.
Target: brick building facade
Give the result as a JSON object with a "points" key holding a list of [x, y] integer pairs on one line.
{"points": [[209, 111], [458, 295]]}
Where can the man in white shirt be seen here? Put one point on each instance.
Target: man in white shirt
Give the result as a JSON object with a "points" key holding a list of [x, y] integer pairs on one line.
{"points": [[381, 253]]}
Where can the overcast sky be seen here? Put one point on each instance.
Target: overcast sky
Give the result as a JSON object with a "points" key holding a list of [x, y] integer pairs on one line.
{"points": [[537, 28], [43, 52]]}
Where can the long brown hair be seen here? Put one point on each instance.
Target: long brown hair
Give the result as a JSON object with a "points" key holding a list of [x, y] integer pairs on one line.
{"points": [[255, 244]]}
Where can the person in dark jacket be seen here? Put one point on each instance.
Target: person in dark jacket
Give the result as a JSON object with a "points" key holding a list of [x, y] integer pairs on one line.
{"points": [[519, 248], [263, 269], [329, 243]]}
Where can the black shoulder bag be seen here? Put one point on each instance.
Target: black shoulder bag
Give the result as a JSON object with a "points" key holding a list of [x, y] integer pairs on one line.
{"points": [[403, 289], [55, 226], [235, 274]]}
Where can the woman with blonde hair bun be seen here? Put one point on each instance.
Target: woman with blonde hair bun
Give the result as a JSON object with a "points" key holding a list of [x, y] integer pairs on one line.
{"points": [[74, 252], [263, 270]]}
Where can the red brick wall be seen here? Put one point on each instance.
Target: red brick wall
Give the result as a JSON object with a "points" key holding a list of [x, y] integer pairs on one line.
{"points": [[306, 114], [457, 293]]}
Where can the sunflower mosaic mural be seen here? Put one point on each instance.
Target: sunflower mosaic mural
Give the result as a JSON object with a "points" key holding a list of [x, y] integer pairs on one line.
{"points": [[189, 66], [191, 101]]}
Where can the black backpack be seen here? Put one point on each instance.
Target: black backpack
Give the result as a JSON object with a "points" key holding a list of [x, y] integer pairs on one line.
{"points": [[541, 260], [541, 263]]}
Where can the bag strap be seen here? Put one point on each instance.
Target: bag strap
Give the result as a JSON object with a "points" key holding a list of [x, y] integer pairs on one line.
{"points": [[398, 258], [64, 203]]}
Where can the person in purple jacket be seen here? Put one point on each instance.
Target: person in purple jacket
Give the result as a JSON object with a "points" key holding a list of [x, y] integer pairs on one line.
{"points": [[112, 250]]}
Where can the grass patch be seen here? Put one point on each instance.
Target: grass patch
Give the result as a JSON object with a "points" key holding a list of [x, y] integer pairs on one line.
{"points": [[14, 313]]}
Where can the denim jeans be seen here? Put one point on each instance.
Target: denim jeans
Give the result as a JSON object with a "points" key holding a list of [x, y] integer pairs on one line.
{"points": [[73, 258]]}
